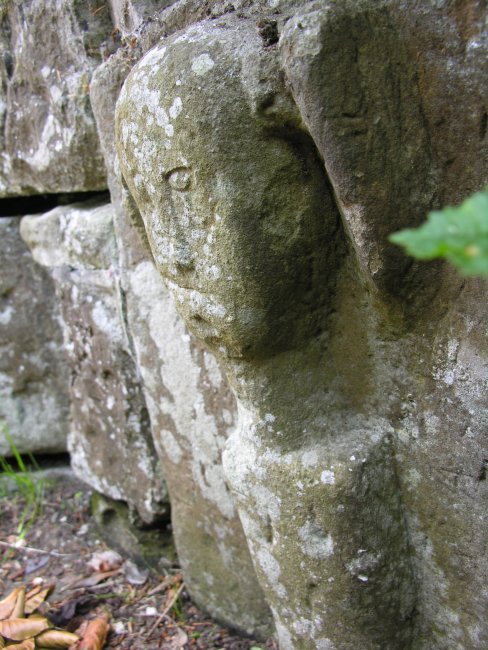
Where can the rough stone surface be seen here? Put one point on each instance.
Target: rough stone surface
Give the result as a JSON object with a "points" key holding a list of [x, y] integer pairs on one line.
{"points": [[379, 88], [48, 138], [192, 412], [34, 400], [106, 84], [268, 148], [358, 462], [152, 546], [440, 436], [110, 440], [129, 14], [210, 206], [396, 101], [190, 405]]}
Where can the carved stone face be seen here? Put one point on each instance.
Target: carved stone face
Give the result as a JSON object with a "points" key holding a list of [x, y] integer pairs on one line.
{"points": [[233, 199]]}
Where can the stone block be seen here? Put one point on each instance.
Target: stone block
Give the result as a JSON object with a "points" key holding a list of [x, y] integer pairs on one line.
{"points": [[358, 462], [129, 14], [110, 438], [48, 139], [191, 408], [34, 402]]}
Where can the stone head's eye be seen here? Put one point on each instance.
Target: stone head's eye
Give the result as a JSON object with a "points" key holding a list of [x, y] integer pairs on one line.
{"points": [[179, 178]]}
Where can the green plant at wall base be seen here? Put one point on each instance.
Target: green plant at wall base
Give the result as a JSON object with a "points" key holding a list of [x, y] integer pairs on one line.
{"points": [[177, 610], [30, 490], [459, 235]]}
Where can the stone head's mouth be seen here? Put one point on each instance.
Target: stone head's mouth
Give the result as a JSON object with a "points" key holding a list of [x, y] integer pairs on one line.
{"points": [[202, 313], [204, 304], [202, 328]]}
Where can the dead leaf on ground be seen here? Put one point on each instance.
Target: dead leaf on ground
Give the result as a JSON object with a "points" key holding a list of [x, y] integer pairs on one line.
{"points": [[35, 597], [18, 604], [28, 644], [20, 629], [92, 580], [133, 574], [7, 605], [17, 574], [35, 563], [56, 639], [18, 610], [68, 609], [96, 634]]}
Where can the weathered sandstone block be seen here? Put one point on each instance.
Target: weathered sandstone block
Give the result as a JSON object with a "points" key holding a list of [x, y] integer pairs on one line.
{"points": [[110, 439], [128, 14], [250, 247], [396, 100], [48, 138], [190, 405], [359, 457], [192, 413], [33, 371]]}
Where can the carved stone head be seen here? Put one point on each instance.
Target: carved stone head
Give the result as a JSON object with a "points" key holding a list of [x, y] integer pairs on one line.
{"points": [[236, 207]]}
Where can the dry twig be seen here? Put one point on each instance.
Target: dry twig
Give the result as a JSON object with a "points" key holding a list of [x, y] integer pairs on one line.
{"points": [[166, 609], [35, 550]]}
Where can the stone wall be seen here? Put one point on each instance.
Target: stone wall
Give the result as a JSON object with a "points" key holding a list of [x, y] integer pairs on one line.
{"points": [[240, 338]]}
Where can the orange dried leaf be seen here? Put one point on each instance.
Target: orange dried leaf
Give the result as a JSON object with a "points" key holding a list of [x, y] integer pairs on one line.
{"points": [[7, 604], [56, 639], [19, 629], [36, 597], [96, 634]]}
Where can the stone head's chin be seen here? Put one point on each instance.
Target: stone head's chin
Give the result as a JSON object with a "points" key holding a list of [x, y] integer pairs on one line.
{"points": [[219, 338], [230, 332]]}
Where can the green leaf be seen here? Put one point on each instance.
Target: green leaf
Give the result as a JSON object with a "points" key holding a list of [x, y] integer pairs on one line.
{"points": [[459, 235]]}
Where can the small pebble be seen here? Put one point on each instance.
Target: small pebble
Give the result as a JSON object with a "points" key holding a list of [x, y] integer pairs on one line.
{"points": [[83, 530], [118, 627]]}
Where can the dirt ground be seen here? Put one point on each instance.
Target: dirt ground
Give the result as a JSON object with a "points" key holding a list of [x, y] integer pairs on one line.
{"points": [[62, 547]]}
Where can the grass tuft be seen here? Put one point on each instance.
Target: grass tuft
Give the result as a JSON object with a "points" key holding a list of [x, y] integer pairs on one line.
{"points": [[19, 475]]}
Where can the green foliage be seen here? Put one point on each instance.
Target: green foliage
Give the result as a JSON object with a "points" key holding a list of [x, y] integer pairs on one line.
{"points": [[177, 609], [459, 235], [30, 490]]}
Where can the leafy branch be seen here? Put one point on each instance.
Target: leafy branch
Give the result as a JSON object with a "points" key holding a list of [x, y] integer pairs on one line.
{"points": [[459, 235]]}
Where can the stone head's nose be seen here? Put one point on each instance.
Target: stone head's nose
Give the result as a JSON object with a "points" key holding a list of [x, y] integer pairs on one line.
{"points": [[181, 259]]}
